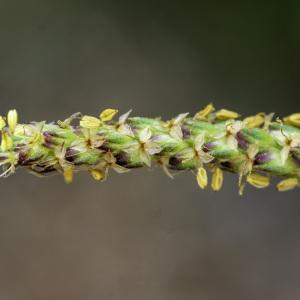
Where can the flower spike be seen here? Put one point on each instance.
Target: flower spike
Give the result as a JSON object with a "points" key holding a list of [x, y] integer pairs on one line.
{"points": [[256, 148]]}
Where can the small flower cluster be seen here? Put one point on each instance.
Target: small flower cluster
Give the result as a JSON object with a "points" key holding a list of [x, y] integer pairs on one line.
{"points": [[256, 148]]}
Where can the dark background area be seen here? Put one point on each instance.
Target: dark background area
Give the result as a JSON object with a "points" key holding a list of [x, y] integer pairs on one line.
{"points": [[141, 235]]}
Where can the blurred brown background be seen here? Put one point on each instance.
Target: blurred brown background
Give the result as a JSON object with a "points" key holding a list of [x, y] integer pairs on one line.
{"points": [[141, 235]]}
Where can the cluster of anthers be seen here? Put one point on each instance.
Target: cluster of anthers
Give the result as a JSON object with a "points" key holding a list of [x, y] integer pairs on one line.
{"points": [[256, 147]]}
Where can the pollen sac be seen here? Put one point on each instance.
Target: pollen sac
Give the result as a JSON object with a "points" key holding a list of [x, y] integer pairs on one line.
{"points": [[255, 121], [293, 119], [204, 113], [69, 175], [2, 123], [287, 184], [217, 180], [258, 181], [90, 122], [6, 142], [12, 120], [97, 174], [202, 178], [108, 114], [225, 114]]}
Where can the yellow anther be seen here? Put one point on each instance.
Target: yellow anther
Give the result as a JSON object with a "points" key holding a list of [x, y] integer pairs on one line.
{"points": [[204, 113], [293, 119], [12, 120], [287, 184], [258, 181], [90, 122], [225, 114], [217, 180], [107, 114], [202, 178], [2, 123], [254, 121], [97, 174], [6, 142], [69, 174]]}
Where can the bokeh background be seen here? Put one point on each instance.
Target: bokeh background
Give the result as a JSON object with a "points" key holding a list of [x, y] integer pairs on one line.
{"points": [[141, 235]]}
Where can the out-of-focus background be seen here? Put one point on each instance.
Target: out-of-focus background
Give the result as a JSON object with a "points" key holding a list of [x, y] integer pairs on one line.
{"points": [[141, 235]]}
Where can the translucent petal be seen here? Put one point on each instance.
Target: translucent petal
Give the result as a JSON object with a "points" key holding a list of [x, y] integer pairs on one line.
{"points": [[232, 142], [279, 136], [205, 157], [219, 135], [109, 158], [145, 158], [131, 147], [152, 148], [199, 141], [295, 139], [268, 120], [126, 129], [176, 132], [97, 142], [178, 120], [167, 172], [252, 151], [65, 165], [186, 154], [124, 117], [237, 126], [145, 135]]}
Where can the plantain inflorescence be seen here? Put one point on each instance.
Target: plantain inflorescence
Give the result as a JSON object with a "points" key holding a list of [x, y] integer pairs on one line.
{"points": [[256, 148]]}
